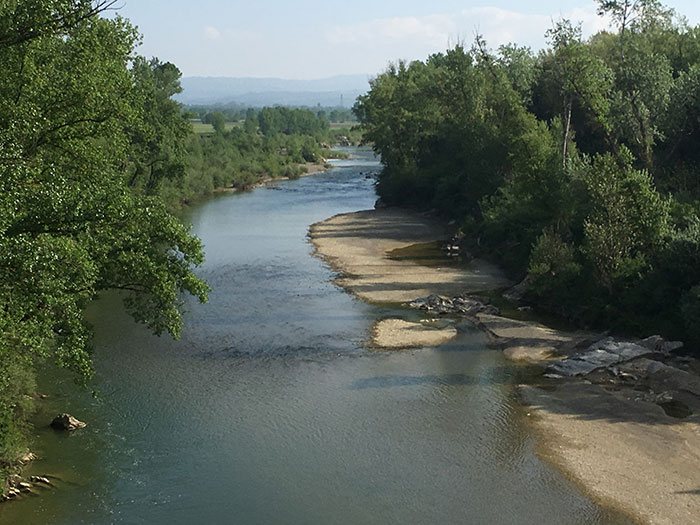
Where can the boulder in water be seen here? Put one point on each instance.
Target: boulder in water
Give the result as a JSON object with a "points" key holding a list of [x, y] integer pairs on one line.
{"points": [[66, 422]]}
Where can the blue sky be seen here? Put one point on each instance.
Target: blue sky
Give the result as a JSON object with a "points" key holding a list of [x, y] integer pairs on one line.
{"points": [[314, 39]]}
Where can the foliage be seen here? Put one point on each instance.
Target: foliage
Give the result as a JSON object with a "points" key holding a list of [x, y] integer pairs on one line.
{"points": [[240, 157], [578, 166], [88, 134]]}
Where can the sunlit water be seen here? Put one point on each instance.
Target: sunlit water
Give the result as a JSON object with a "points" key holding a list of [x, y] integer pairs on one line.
{"points": [[270, 409]]}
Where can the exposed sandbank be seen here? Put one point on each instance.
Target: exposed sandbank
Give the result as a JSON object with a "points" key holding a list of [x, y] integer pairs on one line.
{"points": [[356, 245], [397, 333], [624, 452]]}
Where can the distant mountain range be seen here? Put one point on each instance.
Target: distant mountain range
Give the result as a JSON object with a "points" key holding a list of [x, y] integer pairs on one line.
{"points": [[255, 92]]}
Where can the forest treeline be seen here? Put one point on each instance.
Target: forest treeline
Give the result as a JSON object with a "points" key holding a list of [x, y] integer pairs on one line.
{"points": [[234, 112], [270, 143], [578, 166], [95, 155]]}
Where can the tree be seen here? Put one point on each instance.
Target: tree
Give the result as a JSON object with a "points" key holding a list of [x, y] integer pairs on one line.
{"points": [[24, 21], [581, 78], [629, 219], [158, 133], [75, 120], [218, 121], [251, 121], [634, 15]]}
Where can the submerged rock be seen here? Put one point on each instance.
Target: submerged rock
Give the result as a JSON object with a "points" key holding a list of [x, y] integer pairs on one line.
{"points": [[67, 422]]}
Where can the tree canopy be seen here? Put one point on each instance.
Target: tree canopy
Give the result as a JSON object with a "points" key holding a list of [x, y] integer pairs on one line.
{"points": [[87, 133], [578, 165]]}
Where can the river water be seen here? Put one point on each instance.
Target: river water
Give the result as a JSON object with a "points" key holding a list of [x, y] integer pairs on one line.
{"points": [[270, 410]]}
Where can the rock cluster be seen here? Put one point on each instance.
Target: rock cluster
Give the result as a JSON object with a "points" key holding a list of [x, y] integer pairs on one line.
{"points": [[460, 305], [648, 370], [607, 353], [16, 488]]}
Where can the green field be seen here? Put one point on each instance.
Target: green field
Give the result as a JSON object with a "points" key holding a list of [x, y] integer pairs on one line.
{"points": [[207, 129]]}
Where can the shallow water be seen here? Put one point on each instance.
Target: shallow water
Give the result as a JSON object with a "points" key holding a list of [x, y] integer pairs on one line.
{"points": [[270, 409]]}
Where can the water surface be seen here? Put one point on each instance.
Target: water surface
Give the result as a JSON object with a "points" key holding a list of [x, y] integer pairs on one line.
{"points": [[270, 409]]}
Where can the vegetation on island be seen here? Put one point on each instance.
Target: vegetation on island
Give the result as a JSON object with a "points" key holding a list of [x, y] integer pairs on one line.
{"points": [[577, 166], [270, 143]]}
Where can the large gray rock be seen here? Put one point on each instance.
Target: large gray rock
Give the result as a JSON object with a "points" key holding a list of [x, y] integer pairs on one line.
{"points": [[602, 354], [66, 422], [517, 292], [657, 343]]}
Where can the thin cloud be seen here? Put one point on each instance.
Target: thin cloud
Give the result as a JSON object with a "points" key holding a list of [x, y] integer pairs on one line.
{"points": [[211, 33], [435, 32]]}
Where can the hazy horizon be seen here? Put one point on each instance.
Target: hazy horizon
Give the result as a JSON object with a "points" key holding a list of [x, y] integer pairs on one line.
{"points": [[311, 39]]}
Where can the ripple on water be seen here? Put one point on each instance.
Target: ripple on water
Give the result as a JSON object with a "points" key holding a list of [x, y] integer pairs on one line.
{"points": [[270, 410]]}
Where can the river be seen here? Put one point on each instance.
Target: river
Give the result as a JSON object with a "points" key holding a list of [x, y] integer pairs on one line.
{"points": [[270, 409]]}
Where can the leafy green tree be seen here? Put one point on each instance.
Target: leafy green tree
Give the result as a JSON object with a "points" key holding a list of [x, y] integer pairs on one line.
{"points": [[159, 130], [251, 121], [218, 121], [75, 121], [629, 219], [579, 80]]}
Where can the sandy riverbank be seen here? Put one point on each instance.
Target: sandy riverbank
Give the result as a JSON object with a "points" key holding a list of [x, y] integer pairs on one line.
{"points": [[357, 244], [624, 452]]}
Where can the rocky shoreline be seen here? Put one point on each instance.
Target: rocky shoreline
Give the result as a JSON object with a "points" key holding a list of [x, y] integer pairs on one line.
{"points": [[620, 417], [18, 485]]}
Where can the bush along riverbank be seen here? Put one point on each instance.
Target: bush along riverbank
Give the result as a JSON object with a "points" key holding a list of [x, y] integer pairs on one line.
{"points": [[575, 167]]}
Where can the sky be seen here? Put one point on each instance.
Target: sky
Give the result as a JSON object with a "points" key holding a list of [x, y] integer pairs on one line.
{"points": [[310, 39]]}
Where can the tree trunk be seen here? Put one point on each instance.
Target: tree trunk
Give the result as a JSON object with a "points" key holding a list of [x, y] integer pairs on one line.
{"points": [[567, 126]]}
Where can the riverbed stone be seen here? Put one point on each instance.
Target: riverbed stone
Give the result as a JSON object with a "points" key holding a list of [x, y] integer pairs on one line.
{"points": [[517, 292], [529, 353], [67, 422], [657, 343], [601, 354], [27, 458], [40, 479]]}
